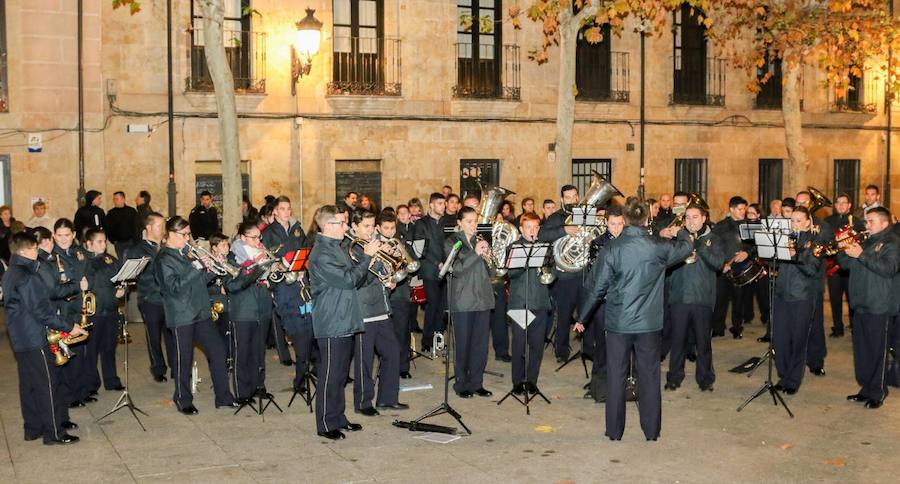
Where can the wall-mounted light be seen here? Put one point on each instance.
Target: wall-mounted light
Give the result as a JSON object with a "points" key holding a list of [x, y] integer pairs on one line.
{"points": [[306, 45]]}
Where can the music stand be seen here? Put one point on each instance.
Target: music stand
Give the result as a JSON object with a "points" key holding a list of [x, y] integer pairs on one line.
{"points": [[771, 244], [582, 217], [127, 275], [527, 257]]}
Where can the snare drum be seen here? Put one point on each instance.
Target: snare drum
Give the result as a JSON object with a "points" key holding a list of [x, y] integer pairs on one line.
{"points": [[746, 272]]}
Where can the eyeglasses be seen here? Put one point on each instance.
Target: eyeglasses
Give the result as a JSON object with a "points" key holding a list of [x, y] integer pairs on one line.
{"points": [[252, 237], [185, 234], [337, 222]]}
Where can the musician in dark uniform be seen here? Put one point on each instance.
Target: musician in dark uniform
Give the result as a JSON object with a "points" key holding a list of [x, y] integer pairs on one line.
{"points": [[399, 295], [150, 300], [219, 247], [565, 289], [816, 349], [632, 279], [728, 230], [99, 269], [691, 299], [377, 337], [471, 301], [429, 229], [182, 284], [838, 278], [286, 235], [28, 315], [337, 316], [75, 384], [795, 297], [874, 285]]}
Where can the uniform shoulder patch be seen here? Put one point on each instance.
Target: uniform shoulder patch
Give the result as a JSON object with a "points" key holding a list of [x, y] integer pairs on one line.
{"points": [[108, 259], [79, 256]]}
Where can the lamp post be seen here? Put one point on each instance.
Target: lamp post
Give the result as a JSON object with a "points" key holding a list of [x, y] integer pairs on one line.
{"points": [[306, 45]]}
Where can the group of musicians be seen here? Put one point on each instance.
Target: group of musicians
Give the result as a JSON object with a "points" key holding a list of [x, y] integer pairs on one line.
{"points": [[655, 285]]}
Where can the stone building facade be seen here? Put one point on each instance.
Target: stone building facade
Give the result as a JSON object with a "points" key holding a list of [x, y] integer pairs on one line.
{"points": [[400, 97]]}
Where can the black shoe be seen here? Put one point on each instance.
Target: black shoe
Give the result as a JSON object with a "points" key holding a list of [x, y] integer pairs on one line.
{"points": [[718, 334], [531, 388], [396, 406], [353, 427], [763, 339], [29, 438], [69, 425], [615, 439], [671, 386], [243, 401], [586, 386], [64, 439], [261, 392], [652, 439], [464, 394], [736, 334], [519, 388], [417, 330], [873, 404], [562, 359], [405, 375], [818, 371], [856, 398], [482, 392], [287, 362], [790, 391], [779, 387], [368, 412], [93, 393], [503, 358], [836, 334], [89, 399], [76, 404], [426, 349], [234, 404], [691, 357], [706, 388], [189, 410], [159, 378], [117, 388], [333, 435]]}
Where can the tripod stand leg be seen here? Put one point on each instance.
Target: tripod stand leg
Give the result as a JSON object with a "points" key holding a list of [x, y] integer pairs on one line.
{"points": [[759, 392], [781, 400]]}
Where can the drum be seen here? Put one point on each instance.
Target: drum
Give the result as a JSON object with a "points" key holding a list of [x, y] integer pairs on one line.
{"points": [[417, 293], [746, 272]]}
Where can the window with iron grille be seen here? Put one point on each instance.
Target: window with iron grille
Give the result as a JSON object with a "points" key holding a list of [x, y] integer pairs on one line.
{"points": [[600, 73], [846, 179], [583, 172], [697, 79], [770, 180], [478, 174], [245, 51], [364, 61], [690, 176]]}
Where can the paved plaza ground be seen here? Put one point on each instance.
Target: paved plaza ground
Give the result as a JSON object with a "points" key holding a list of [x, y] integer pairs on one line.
{"points": [[703, 439]]}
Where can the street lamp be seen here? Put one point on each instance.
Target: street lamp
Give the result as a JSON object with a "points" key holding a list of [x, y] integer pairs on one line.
{"points": [[306, 45]]}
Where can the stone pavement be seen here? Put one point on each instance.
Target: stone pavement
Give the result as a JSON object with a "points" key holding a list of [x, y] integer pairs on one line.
{"points": [[704, 439]]}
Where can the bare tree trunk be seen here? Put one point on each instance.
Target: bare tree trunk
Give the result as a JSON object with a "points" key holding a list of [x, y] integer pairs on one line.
{"points": [[797, 164], [565, 107], [223, 82]]}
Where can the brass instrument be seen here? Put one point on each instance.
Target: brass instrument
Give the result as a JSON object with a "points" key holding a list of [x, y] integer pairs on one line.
{"points": [[845, 237], [387, 267], [694, 200], [59, 345], [572, 252], [503, 233], [215, 265], [88, 309], [218, 307], [817, 200], [495, 267], [63, 278], [546, 276]]}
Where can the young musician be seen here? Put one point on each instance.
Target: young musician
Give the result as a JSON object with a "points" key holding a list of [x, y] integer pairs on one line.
{"points": [[100, 268], [691, 299], [337, 316], [795, 297], [377, 336], [839, 278], [150, 301], [28, 315], [471, 300], [873, 267], [728, 230], [399, 299], [219, 247], [182, 284], [429, 229], [816, 349], [631, 279], [526, 292]]}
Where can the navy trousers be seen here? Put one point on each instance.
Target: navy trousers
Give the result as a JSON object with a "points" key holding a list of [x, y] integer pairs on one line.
{"points": [[870, 333], [646, 348], [400, 310], [249, 355], [157, 333], [499, 327], [838, 287], [332, 375], [791, 329], [470, 333], [104, 339], [529, 368], [565, 293], [691, 319], [204, 333], [434, 310], [300, 330], [377, 339], [43, 412]]}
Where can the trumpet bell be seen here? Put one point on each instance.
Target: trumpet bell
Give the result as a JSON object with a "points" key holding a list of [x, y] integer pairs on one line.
{"points": [[60, 358]]}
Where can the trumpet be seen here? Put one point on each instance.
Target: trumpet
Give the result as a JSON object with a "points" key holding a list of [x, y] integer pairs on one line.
{"points": [[845, 237], [214, 264], [59, 345], [388, 267]]}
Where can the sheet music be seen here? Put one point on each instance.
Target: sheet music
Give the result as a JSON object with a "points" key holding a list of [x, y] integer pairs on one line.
{"points": [[519, 255], [588, 217], [130, 269], [766, 246], [418, 247], [522, 317]]}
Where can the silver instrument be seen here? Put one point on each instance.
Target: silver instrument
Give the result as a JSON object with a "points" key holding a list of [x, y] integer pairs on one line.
{"points": [[219, 267], [503, 233], [572, 252]]}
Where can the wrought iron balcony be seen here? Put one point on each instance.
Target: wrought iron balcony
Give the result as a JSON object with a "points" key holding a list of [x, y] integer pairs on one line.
{"points": [[365, 66], [487, 72], [604, 82], [246, 55], [861, 98], [698, 81]]}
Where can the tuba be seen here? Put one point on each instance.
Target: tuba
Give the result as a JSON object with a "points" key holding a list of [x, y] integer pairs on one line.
{"points": [[694, 200], [572, 252], [503, 233]]}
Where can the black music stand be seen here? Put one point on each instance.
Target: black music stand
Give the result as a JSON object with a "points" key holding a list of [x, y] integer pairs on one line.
{"points": [[771, 244], [127, 275], [583, 218], [308, 388], [533, 256]]}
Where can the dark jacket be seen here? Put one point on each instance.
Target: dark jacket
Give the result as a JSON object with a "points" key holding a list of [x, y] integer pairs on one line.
{"points": [[471, 288], [799, 279], [215, 287], [432, 232], [147, 287], [50, 276], [287, 296], [99, 269], [334, 278], [448, 221], [88, 215], [552, 229], [27, 307], [182, 287], [729, 233], [121, 223], [695, 283], [73, 261], [405, 230], [632, 278], [250, 300], [525, 287], [371, 293], [873, 275], [143, 210], [204, 221]]}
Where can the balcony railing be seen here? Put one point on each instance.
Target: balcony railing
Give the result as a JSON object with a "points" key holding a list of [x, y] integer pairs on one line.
{"points": [[698, 83], [606, 83], [365, 66], [861, 99], [481, 75], [246, 55]]}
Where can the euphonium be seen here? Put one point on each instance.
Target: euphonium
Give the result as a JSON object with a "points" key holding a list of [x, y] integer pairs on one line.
{"points": [[88, 309], [817, 200], [572, 252], [218, 307]]}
